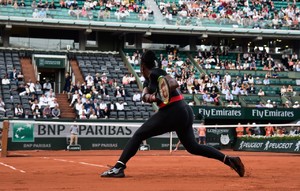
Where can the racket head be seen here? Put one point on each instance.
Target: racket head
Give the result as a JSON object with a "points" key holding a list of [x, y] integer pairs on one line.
{"points": [[163, 89]]}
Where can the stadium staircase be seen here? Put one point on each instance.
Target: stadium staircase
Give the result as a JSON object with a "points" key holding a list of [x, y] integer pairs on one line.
{"points": [[65, 110], [28, 70], [76, 71]]}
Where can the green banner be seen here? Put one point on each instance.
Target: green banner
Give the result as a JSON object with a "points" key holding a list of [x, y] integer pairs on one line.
{"points": [[23, 132], [50, 62], [268, 145], [247, 113]]}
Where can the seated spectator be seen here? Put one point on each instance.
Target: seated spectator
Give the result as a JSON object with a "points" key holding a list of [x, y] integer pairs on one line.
{"points": [[261, 93], [132, 79], [93, 115], [283, 90], [75, 98], [34, 5], [5, 80], [35, 13], [230, 104], [19, 111], [50, 93], [42, 14], [125, 79], [208, 99], [260, 105], [229, 97], [53, 103], [47, 86], [38, 87], [43, 100], [258, 81], [47, 112], [269, 104], [269, 129], [290, 89], [55, 112], [120, 105], [286, 104], [296, 105], [36, 112], [266, 81], [78, 106], [99, 112], [236, 90], [251, 89], [52, 5], [22, 4], [2, 105], [136, 97], [20, 76]]}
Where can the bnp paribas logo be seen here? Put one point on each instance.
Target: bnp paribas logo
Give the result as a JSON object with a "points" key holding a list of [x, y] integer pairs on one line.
{"points": [[23, 132]]}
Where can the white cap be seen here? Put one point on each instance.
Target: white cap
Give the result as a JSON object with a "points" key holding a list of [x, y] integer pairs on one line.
{"points": [[296, 102], [269, 101]]}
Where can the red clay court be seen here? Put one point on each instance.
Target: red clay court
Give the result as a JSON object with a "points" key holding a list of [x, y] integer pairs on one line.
{"points": [[148, 170]]}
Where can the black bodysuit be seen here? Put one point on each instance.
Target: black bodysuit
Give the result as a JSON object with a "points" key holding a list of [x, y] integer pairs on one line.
{"points": [[177, 116]]}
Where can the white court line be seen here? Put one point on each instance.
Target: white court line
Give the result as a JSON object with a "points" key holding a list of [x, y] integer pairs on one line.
{"points": [[11, 167], [80, 162]]}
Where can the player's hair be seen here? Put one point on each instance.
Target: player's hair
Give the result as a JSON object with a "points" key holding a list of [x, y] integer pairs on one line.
{"points": [[148, 59]]}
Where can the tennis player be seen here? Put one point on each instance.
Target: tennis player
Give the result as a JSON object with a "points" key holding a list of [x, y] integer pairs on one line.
{"points": [[176, 115]]}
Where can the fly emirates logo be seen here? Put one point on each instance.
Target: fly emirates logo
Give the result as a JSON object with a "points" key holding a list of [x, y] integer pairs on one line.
{"points": [[268, 113], [220, 112]]}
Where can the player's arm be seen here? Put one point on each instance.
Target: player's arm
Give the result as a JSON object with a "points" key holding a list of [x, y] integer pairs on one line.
{"points": [[147, 97]]}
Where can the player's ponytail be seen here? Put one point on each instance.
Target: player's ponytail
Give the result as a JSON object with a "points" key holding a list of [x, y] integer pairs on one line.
{"points": [[148, 59]]}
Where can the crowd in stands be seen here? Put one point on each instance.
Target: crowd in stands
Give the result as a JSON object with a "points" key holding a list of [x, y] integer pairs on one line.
{"points": [[255, 13], [99, 95], [268, 130], [89, 9], [214, 85], [41, 98]]}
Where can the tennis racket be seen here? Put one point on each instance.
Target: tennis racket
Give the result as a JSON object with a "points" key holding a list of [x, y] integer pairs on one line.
{"points": [[163, 89]]}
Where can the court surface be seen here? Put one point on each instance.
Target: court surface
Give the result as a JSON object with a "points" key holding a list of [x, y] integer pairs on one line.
{"points": [[148, 170]]}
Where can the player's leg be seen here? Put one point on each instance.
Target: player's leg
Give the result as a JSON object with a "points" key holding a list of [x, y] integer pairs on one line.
{"points": [[156, 125], [187, 138]]}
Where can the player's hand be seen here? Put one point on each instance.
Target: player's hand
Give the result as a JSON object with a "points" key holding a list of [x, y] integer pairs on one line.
{"points": [[152, 98]]}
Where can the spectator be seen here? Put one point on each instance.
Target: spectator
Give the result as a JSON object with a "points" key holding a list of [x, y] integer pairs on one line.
{"points": [[55, 112], [35, 13], [43, 100], [19, 111], [290, 89], [283, 90], [261, 93], [251, 89], [229, 97], [2, 105], [47, 86], [260, 105], [36, 112], [269, 129], [286, 104], [266, 81], [5, 80], [230, 104], [136, 97], [239, 130], [120, 105], [47, 112], [93, 115], [269, 104], [296, 105], [258, 81]]}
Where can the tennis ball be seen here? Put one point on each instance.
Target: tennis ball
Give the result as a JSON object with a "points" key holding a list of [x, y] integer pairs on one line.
{"points": [[88, 96]]}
